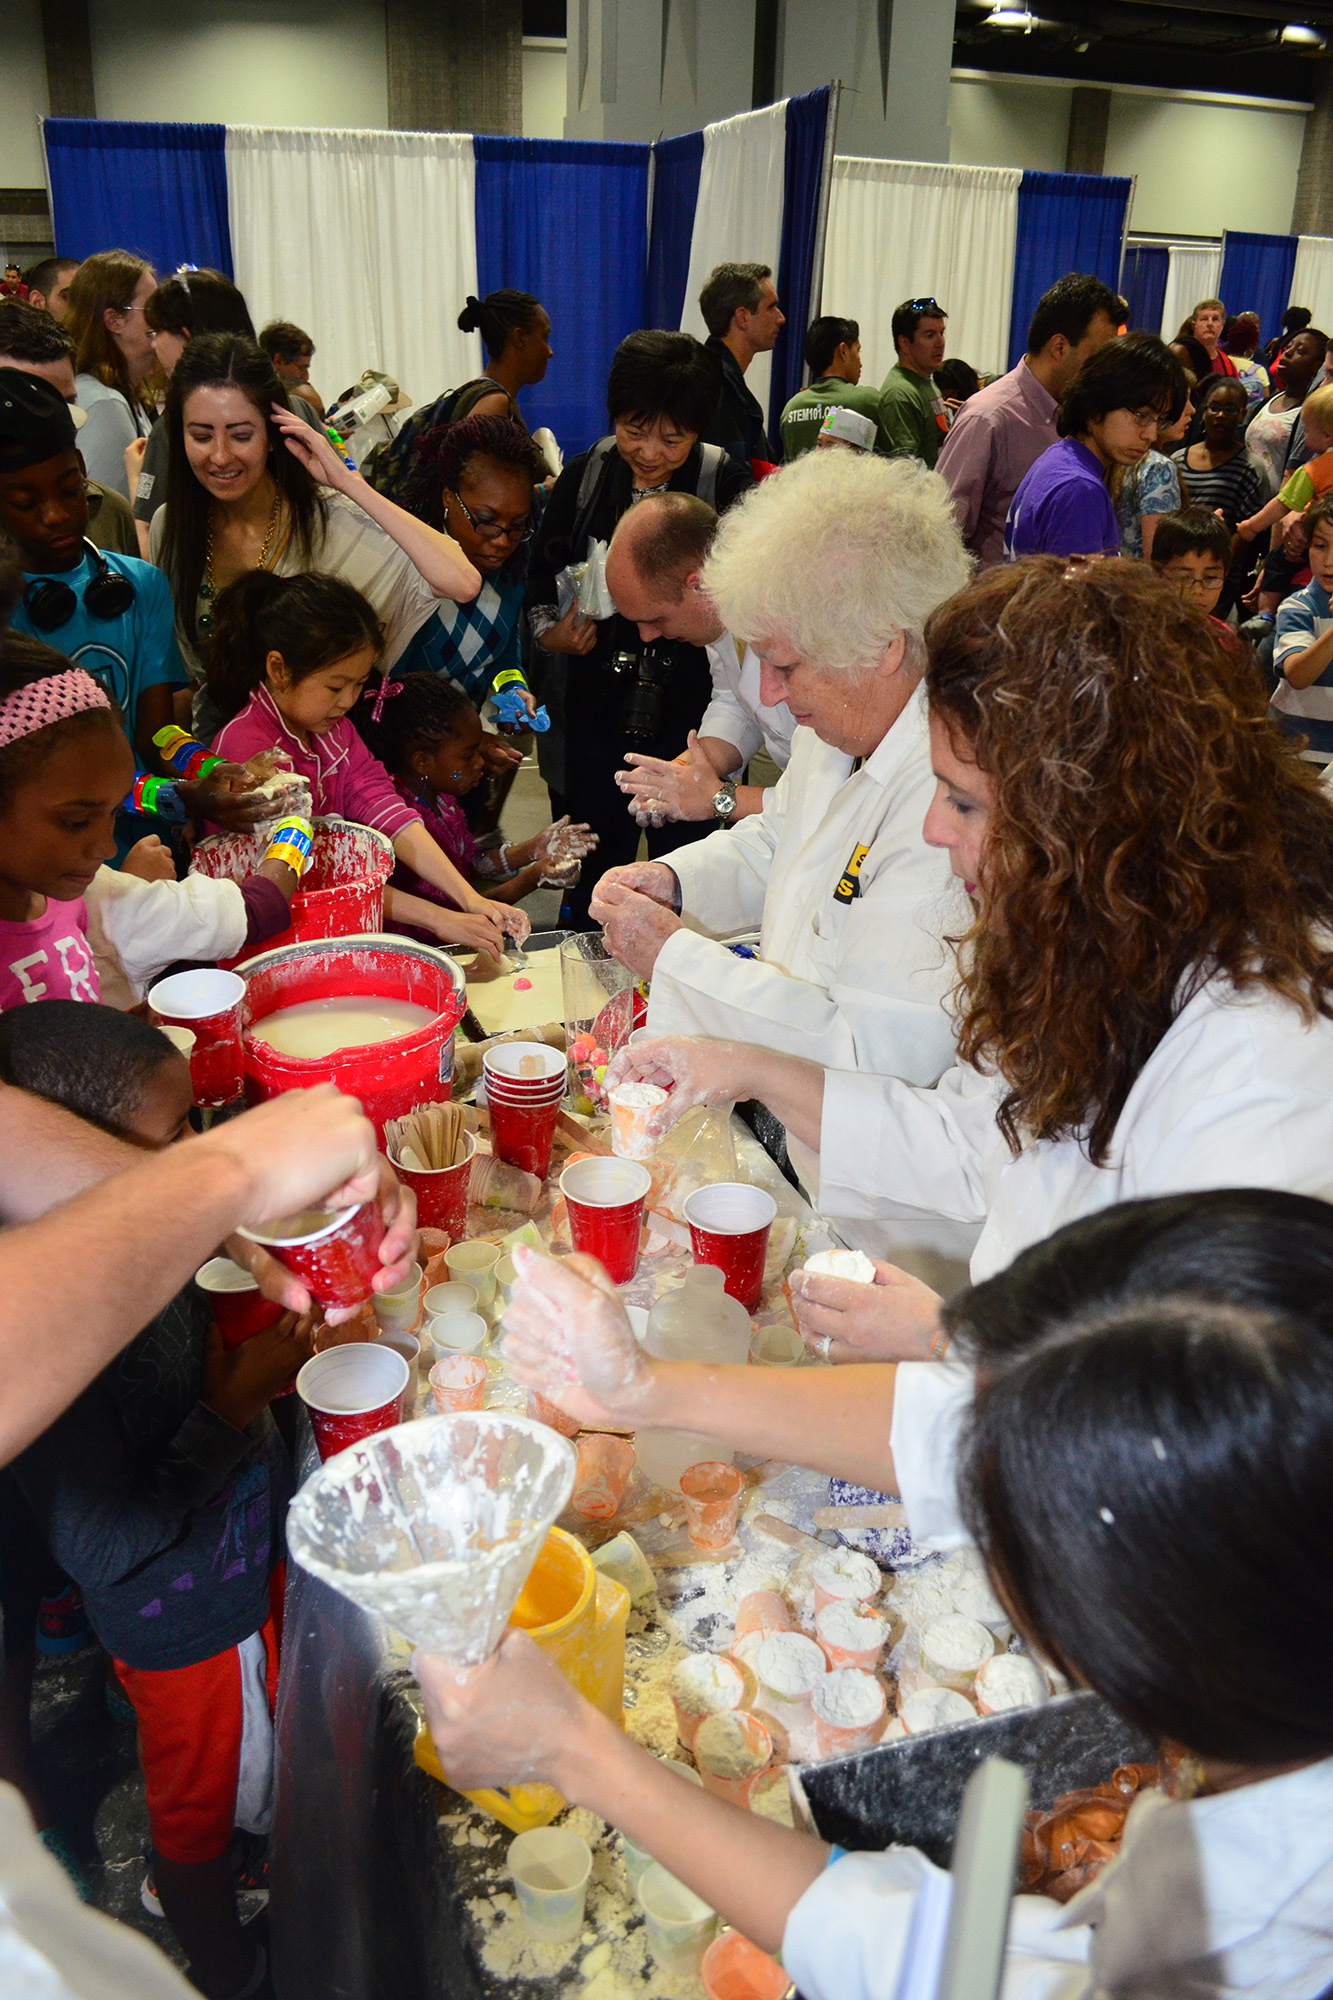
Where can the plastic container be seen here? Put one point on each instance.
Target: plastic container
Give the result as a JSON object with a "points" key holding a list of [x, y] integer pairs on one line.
{"points": [[474, 1264], [734, 1750], [210, 1003], [457, 1333], [703, 1684], [694, 1321], [599, 1001], [851, 1635], [605, 1464], [729, 1225], [550, 1868], [450, 1298], [623, 1559], [458, 1382], [680, 1925], [712, 1494], [408, 1345], [334, 1255], [845, 1574], [789, 1667], [953, 1649], [775, 1347], [524, 1069], [605, 1200], [352, 1392], [342, 889], [392, 1077], [442, 1192], [850, 1712], [396, 1312], [523, 1135], [543, 1411], [763, 1611], [735, 1969], [632, 1106], [237, 1304], [637, 1859]]}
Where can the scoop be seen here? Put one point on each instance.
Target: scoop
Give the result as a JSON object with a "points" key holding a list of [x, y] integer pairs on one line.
{"points": [[434, 1525]]}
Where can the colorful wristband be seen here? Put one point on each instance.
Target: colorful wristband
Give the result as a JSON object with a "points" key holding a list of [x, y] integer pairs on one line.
{"points": [[155, 795], [291, 843], [510, 677], [183, 752]]}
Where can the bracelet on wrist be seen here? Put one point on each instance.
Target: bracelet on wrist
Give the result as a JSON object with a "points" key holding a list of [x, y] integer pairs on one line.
{"points": [[940, 1342]]}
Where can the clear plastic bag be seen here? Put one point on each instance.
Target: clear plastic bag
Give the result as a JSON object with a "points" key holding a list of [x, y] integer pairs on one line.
{"points": [[584, 584]]}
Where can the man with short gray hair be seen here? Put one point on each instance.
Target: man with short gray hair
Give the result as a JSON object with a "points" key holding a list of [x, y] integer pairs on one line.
{"points": [[740, 308]]}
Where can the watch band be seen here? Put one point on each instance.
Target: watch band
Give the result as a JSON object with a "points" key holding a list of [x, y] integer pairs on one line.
{"points": [[724, 801]]}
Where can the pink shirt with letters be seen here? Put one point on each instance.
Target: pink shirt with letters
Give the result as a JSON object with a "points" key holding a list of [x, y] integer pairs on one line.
{"points": [[48, 957]]}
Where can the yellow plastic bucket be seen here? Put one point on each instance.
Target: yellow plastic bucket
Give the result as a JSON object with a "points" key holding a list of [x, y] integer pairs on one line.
{"points": [[577, 1616]]}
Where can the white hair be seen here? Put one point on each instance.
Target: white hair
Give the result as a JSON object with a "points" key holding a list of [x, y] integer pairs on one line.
{"points": [[836, 556]]}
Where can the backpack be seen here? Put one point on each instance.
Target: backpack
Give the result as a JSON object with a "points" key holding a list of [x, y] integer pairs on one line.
{"points": [[597, 470], [391, 467]]}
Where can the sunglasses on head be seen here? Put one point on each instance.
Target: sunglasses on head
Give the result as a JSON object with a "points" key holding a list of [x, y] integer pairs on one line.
{"points": [[926, 305]]}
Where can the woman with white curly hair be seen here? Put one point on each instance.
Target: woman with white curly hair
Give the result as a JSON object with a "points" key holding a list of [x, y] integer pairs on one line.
{"points": [[830, 570]]}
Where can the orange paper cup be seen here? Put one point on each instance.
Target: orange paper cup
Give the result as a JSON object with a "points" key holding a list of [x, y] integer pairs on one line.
{"points": [[840, 1739], [735, 1969], [543, 1411], [605, 1464], [458, 1383], [712, 1494], [840, 1641], [721, 1743], [763, 1611]]}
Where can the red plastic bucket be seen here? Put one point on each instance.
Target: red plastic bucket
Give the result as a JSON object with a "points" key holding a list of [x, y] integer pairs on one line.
{"points": [[391, 1078], [341, 893]]}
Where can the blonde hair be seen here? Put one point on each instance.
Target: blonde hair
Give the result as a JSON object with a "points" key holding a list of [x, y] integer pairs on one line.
{"points": [[1319, 405], [837, 555]]}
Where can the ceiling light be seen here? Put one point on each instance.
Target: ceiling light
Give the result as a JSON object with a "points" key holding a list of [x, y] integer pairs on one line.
{"points": [[1008, 16], [1303, 36]]}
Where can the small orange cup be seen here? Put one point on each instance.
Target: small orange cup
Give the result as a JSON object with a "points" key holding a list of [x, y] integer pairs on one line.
{"points": [[840, 1739], [543, 1411], [712, 1494], [735, 1969], [763, 1611], [458, 1383], [605, 1464], [851, 1635], [733, 1751]]}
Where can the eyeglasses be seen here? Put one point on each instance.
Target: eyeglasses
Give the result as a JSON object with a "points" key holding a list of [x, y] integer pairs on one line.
{"points": [[926, 306], [493, 531]]}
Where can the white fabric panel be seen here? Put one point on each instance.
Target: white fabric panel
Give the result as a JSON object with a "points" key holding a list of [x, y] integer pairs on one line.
{"points": [[900, 230], [738, 216], [1191, 274], [367, 240], [1312, 279]]}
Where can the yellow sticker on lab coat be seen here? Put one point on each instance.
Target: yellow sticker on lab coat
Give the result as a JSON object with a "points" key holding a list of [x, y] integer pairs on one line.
{"points": [[849, 886]]}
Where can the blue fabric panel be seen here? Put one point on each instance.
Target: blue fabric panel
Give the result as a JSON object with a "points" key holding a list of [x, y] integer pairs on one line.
{"points": [[1256, 276], [1066, 222], [1143, 278], [676, 167], [803, 174], [158, 190], [567, 219]]}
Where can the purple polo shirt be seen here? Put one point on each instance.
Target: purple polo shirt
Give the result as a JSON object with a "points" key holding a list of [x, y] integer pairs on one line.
{"points": [[1062, 507], [994, 439]]}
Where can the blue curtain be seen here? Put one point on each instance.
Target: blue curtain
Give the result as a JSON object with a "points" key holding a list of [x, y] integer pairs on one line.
{"points": [[802, 186], [676, 168], [567, 219], [1256, 276], [1143, 281], [1066, 222], [159, 190]]}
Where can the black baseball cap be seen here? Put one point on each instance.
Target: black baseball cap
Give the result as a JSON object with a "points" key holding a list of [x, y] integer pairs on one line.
{"points": [[35, 420]]}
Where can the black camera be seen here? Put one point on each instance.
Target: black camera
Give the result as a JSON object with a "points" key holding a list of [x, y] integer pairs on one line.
{"points": [[642, 722]]}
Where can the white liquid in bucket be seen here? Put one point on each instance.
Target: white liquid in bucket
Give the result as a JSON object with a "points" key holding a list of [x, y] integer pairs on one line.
{"points": [[321, 1027]]}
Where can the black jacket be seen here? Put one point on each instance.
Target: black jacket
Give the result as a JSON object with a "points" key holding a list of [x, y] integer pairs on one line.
{"points": [[739, 423]]}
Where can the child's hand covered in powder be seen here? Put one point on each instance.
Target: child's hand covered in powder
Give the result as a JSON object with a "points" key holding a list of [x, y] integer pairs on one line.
{"points": [[567, 1335]]}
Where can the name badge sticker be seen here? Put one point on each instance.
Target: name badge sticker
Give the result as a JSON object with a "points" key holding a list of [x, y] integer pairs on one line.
{"points": [[849, 883]]}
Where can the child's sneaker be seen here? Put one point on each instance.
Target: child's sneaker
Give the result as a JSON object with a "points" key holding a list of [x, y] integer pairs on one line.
{"points": [[148, 1895], [62, 1624]]}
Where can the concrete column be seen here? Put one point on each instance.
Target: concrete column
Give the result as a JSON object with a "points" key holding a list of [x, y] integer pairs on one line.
{"points": [[644, 69], [1312, 214], [1089, 114], [69, 58], [454, 65], [894, 59]]}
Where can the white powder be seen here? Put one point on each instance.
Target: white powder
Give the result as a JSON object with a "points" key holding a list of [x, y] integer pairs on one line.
{"points": [[848, 1698], [935, 1708], [790, 1664], [956, 1645], [724, 1748], [843, 1623], [847, 1573], [1010, 1681], [704, 1682], [637, 1096], [972, 1593], [853, 1265]]}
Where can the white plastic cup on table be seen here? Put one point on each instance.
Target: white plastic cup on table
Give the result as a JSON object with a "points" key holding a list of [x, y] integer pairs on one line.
{"points": [[506, 1278], [351, 1392], [638, 1859], [208, 1003], [474, 1264], [605, 1199], [457, 1333], [729, 1225], [409, 1346], [450, 1298], [775, 1347], [182, 1039], [631, 1106], [550, 1869], [680, 1925], [396, 1312]]}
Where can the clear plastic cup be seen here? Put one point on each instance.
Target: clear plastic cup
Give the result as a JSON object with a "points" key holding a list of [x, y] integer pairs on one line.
{"points": [[396, 1312], [712, 1493], [458, 1382], [638, 1859], [441, 1299], [474, 1264], [605, 1464], [550, 1869], [680, 1925], [457, 1333], [775, 1347]]}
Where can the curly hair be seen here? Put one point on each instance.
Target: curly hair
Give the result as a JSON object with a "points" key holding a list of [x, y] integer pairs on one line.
{"points": [[443, 454], [424, 711], [1150, 831]]}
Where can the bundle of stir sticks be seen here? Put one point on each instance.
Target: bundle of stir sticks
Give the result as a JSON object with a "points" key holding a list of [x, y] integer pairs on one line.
{"points": [[428, 1138]]}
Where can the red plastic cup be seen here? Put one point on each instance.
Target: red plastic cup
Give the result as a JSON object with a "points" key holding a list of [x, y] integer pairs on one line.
{"points": [[605, 1199], [351, 1392], [729, 1225], [441, 1192], [524, 1134], [527, 1067], [237, 1304], [335, 1255], [208, 1003]]}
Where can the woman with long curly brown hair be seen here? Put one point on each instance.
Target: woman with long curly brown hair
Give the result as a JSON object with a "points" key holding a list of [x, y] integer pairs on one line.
{"points": [[1145, 994]]}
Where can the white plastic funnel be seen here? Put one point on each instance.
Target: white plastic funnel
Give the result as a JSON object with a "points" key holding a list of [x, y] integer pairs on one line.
{"points": [[435, 1524]]}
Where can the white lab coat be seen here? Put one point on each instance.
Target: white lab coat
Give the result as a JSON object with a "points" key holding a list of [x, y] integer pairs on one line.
{"points": [[136, 928], [852, 982], [1209, 1899], [737, 714]]}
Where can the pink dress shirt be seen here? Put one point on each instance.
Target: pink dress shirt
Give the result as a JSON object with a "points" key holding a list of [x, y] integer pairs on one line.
{"points": [[997, 436]]}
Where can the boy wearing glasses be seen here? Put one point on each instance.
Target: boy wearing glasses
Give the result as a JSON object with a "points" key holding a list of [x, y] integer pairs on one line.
{"points": [[912, 413]]}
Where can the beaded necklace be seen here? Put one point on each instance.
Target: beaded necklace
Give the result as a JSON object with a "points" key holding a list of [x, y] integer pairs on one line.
{"points": [[208, 589]]}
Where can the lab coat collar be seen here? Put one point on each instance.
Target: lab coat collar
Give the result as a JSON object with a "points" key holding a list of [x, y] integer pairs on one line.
{"points": [[899, 749]]}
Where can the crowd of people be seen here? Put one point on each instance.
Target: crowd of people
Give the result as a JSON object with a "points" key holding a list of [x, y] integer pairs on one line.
{"points": [[991, 714]]}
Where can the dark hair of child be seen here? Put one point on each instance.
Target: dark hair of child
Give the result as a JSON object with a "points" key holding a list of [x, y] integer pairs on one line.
{"points": [[443, 454], [22, 661], [426, 712], [311, 620], [95, 1061], [1134, 371], [1191, 531], [1149, 1464], [1319, 515]]}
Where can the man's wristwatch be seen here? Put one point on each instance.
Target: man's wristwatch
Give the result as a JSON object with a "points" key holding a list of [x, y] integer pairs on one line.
{"points": [[724, 801]]}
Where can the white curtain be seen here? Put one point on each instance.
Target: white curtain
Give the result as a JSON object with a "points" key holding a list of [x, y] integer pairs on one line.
{"points": [[738, 216], [1191, 274], [1312, 279], [367, 240], [898, 230]]}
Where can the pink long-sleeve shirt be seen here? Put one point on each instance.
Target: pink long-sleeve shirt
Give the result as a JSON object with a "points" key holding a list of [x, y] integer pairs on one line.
{"points": [[344, 778]]}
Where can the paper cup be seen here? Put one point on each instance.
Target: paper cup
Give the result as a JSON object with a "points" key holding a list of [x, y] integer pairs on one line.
{"points": [[605, 1464], [351, 1392], [409, 1347], [846, 1576], [543, 1411], [458, 1382], [450, 1298], [735, 1969], [474, 1264], [208, 1003], [335, 1255], [637, 1859], [712, 1493], [550, 1869], [457, 1333], [605, 1199], [506, 1278], [523, 1135], [237, 1304], [629, 1118], [729, 1225], [441, 1192], [788, 1667], [763, 1611], [703, 1684], [848, 1690], [396, 1312], [734, 1751], [776, 1347], [181, 1039], [851, 1635], [680, 1925]]}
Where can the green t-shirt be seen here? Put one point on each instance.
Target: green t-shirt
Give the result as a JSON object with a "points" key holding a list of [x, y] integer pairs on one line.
{"points": [[912, 415], [805, 413]]}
